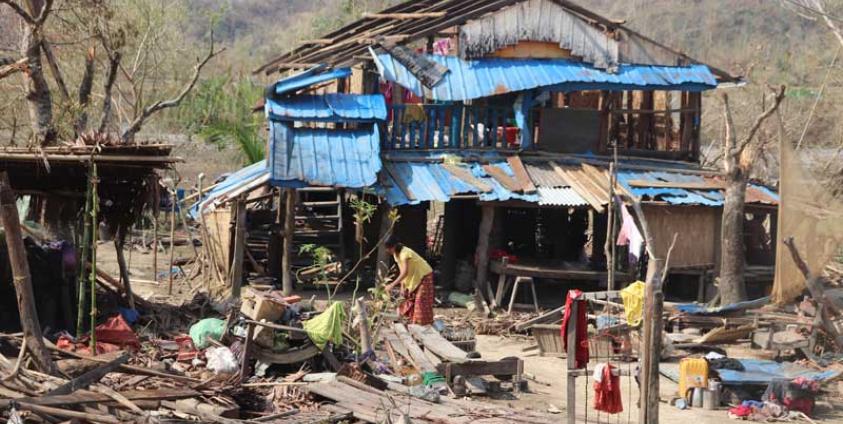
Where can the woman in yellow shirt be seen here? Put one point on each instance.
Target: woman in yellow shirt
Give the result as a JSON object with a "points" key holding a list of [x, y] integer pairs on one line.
{"points": [[415, 277]]}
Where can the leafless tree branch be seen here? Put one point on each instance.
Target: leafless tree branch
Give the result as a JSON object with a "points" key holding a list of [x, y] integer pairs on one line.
{"points": [[160, 105], [777, 100], [19, 11], [113, 64], [13, 68], [85, 91]]}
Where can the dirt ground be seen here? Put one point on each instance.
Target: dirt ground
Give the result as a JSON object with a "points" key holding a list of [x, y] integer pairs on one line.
{"points": [[551, 390], [546, 392]]}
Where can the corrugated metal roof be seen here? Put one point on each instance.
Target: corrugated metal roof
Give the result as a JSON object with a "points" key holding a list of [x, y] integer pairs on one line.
{"points": [[248, 177], [328, 107], [326, 157], [473, 79], [543, 175], [427, 179], [560, 196], [687, 196], [309, 77]]}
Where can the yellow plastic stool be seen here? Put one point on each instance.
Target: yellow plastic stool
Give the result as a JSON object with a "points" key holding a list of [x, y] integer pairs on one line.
{"points": [[693, 372]]}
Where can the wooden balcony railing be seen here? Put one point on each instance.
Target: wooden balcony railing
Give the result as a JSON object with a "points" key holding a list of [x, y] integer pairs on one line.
{"points": [[450, 127]]}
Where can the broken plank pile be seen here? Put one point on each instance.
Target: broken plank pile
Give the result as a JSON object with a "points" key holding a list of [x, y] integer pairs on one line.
{"points": [[396, 404], [426, 351]]}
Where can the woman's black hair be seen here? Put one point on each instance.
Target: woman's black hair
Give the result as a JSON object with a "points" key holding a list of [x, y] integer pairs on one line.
{"points": [[393, 243]]}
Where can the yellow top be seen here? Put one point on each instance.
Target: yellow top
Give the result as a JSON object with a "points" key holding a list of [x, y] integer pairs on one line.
{"points": [[417, 268]]}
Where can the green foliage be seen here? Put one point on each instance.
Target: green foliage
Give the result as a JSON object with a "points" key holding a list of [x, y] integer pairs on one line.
{"points": [[220, 112], [321, 255], [363, 210]]}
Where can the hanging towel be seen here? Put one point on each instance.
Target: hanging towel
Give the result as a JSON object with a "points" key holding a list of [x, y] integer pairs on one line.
{"points": [[607, 390], [581, 328], [327, 326], [633, 302], [630, 235]]}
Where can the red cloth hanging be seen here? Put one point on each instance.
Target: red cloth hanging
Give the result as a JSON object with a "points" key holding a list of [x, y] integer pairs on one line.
{"points": [[607, 390], [581, 329]]}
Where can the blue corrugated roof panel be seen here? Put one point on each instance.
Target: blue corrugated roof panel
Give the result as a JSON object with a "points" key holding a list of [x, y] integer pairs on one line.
{"points": [[686, 196], [431, 181], [323, 157], [310, 77], [253, 172], [473, 79], [328, 108]]}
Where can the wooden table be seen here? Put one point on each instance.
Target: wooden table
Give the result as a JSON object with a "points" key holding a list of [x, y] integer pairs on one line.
{"points": [[505, 270]]}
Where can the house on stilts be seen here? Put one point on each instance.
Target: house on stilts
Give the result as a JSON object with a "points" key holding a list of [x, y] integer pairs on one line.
{"points": [[495, 127]]}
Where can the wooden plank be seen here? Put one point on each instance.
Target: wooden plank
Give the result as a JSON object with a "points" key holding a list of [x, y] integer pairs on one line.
{"points": [[503, 367], [419, 359], [90, 377], [239, 247], [547, 317], [85, 396], [395, 344], [706, 185], [506, 181], [521, 175], [466, 177], [433, 341], [583, 190]]}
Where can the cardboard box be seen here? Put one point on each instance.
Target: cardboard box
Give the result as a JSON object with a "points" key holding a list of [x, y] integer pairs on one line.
{"points": [[258, 306]]}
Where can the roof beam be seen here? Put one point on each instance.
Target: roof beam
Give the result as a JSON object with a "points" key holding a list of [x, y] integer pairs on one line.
{"points": [[411, 15]]}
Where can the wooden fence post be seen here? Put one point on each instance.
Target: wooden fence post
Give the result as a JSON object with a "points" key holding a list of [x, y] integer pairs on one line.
{"points": [[22, 278], [239, 247], [289, 229], [571, 335]]}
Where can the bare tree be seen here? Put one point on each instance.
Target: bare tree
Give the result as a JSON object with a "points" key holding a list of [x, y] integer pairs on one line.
{"points": [[816, 9], [739, 155], [130, 91], [33, 14]]}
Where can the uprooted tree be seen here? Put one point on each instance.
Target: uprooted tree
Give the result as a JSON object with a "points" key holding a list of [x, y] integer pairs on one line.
{"points": [[739, 155], [98, 40]]}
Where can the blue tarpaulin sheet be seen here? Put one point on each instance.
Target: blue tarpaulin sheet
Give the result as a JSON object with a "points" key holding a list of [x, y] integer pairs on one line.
{"points": [[758, 372]]}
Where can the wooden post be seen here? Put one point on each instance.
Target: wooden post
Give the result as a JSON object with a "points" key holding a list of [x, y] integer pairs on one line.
{"points": [[155, 207], [22, 278], [172, 238], [289, 229], [119, 244], [363, 325], [610, 233], [239, 247], [651, 343], [481, 282], [450, 243], [571, 335], [248, 345]]}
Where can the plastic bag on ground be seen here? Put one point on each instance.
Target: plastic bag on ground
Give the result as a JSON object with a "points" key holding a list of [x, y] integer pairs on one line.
{"points": [[208, 327], [221, 360]]}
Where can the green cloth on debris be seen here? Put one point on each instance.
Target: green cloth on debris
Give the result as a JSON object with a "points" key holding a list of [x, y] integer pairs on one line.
{"points": [[327, 326], [429, 378], [208, 327]]}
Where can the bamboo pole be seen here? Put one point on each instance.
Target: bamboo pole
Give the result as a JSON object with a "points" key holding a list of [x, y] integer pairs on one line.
{"points": [[82, 281], [172, 237], [22, 278], [93, 218]]}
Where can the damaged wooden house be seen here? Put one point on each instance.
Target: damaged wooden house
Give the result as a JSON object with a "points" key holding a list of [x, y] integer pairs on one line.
{"points": [[510, 118]]}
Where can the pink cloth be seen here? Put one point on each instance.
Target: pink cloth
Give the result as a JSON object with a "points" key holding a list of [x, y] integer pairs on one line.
{"points": [[629, 234]]}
